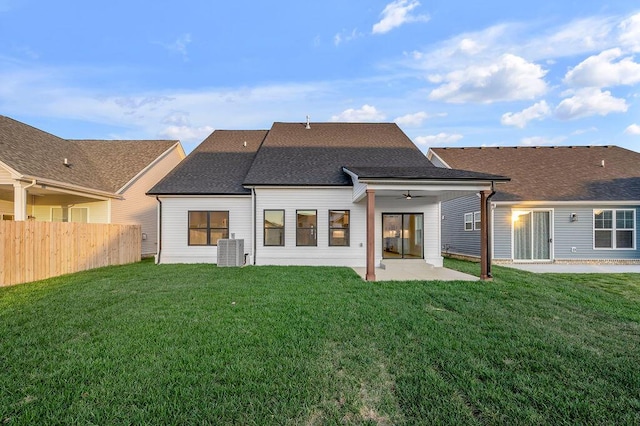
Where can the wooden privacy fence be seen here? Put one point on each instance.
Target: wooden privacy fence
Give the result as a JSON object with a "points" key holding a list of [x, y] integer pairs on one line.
{"points": [[31, 251]]}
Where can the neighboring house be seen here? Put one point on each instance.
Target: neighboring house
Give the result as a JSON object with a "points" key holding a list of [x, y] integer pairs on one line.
{"points": [[47, 178], [349, 194], [565, 204]]}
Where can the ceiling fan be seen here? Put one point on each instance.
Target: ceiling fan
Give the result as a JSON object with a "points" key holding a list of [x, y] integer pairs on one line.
{"points": [[408, 196]]}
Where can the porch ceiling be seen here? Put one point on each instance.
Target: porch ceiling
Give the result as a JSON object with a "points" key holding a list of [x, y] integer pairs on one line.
{"points": [[434, 192]]}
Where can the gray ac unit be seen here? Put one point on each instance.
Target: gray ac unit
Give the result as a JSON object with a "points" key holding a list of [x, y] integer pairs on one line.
{"points": [[230, 252]]}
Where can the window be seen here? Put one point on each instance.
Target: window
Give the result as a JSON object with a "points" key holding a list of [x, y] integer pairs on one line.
{"points": [[468, 221], [476, 221], [69, 214], [306, 228], [206, 228], [274, 227], [338, 227], [614, 229]]}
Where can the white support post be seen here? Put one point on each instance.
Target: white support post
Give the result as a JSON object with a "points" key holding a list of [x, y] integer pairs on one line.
{"points": [[19, 201]]}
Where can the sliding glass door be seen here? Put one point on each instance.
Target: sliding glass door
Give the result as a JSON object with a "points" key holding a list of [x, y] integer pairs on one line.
{"points": [[402, 235], [532, 235]]}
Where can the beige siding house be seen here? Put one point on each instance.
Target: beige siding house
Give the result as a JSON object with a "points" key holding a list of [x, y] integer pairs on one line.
{"points": [[47, 178]]}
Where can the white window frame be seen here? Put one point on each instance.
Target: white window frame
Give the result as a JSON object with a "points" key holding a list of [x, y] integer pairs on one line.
{"points": [[468, 222], [477, 221], [613, 229], [69, 209]]}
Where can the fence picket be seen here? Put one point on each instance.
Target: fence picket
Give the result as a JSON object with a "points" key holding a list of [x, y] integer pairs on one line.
{"points": [[37, 250]]}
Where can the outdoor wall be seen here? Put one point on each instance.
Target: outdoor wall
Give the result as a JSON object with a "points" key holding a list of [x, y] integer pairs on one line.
{"points": [[40, 207], [322, 200], [31, 250], [138, 208], [429, 207], [175, 223], [455, 239], [572, 241]]}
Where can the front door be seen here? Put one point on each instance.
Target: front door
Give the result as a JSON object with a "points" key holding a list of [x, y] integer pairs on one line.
{"points": [[532, 235], [402, 236]]}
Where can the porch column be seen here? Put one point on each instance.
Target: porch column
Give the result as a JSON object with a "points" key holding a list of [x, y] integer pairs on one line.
{"points": [[19, 201], [485, 250], [371, 238]]}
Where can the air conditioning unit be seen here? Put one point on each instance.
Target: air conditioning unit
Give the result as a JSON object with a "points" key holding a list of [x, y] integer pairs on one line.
{"points": [[230, 252]]}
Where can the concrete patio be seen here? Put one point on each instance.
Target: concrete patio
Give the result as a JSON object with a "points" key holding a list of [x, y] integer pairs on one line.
{"points": [[574, 268], [409, 269]]}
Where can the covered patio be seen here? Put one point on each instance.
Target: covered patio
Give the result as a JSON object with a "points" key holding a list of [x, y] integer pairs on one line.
{"points": [[381, 187]]}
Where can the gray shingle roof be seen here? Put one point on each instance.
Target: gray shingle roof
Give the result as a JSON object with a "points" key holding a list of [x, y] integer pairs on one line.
{"points": [[420, 173], [217, 166], [294, 155], [100, 165], [554, 173]]}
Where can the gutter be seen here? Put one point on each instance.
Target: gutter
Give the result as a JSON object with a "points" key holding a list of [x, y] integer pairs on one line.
{"points": [[489, 231], [253, 245], [159, 230]]}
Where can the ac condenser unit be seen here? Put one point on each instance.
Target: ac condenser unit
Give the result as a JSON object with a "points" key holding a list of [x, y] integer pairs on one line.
{"points": [[230, 252]]}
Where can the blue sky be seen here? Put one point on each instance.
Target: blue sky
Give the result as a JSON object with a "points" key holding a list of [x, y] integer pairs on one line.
{"points": [[450, 73]]}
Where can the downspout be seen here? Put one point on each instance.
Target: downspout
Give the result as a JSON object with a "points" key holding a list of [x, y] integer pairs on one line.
{"points": [[159, 229], [26, 199], [489, 225], [253, 245]]}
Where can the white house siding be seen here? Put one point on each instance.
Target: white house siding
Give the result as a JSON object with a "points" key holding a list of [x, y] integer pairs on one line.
{"points": [[567, 235], [429, 207], [322, 200], [138, 208], [175, 222]]}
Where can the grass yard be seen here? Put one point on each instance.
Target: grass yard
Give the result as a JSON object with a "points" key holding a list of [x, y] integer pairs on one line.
{"points": [[196, 344]]}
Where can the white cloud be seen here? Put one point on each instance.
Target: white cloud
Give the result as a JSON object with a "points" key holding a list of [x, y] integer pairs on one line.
{"points": [[366, 113], [510, 78], [415, 120], [541, 140], [630, 33], [520, 119], [396, 14], [179, 46], [583, 131], [588, 102], [601, 71], [633, 129], [439, 139], [344, 37], [186, 133]]}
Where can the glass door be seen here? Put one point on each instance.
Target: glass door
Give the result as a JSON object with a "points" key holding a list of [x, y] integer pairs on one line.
{"points": [[402, 235], [532, 235]]}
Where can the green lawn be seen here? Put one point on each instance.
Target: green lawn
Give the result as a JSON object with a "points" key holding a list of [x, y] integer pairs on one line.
{"points": [[196, 344]]}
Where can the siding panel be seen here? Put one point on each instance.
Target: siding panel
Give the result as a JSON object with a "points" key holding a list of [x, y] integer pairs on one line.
{"points": [[138, 208], [502, 233], [454, 238], [175, 222], [322, 200]]}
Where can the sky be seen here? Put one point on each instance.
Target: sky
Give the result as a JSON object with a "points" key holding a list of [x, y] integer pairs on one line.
{"points": [[450, 73]]}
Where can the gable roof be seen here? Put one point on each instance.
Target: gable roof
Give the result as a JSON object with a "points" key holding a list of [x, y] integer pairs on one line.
{"points": [[291, 154], [94, 164], [563, 173], [217, 166]]}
